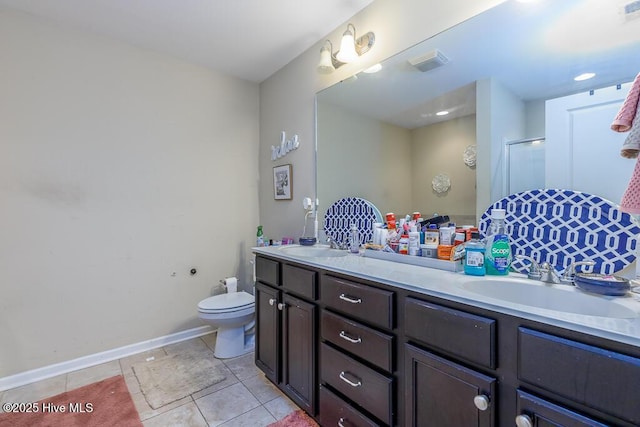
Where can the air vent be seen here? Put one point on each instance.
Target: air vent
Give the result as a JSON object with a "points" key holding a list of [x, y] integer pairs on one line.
{"points": [[430, 60]]}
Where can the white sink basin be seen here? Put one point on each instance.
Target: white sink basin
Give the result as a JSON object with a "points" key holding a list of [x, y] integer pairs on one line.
{"points": [[549, 297], [313, 251]]}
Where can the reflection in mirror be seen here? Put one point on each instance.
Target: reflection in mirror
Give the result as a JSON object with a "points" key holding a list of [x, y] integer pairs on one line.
{"points": [[379, 136]]}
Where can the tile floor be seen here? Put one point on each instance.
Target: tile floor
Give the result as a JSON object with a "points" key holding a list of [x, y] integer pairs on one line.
{"points": [[244, 398]]}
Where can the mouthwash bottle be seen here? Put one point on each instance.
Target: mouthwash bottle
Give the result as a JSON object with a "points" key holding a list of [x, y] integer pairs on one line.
{"points": [[474, 256], [497, 257]]}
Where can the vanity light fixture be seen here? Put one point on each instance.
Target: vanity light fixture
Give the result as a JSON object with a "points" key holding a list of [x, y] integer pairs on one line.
{"points": [[350, 49], [584, 76]]}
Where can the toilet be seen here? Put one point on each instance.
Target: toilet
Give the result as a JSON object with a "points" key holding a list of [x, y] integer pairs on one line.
{"points": [[233, 314]]}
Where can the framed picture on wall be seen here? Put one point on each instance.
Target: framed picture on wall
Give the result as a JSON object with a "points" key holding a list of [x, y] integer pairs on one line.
{"points": [[282, 182]]}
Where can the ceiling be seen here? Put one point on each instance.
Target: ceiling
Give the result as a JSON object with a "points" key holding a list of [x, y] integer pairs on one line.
{"points": [[249, 39]]}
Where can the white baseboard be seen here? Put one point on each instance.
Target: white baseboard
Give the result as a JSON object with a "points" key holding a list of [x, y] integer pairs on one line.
{"points": [[45, 372]]}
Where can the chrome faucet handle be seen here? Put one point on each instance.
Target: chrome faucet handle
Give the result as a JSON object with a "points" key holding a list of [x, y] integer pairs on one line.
{"points": [[569, 275], [534, 268]]}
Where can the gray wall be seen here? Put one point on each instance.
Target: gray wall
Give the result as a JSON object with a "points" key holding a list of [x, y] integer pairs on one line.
{"points": [[287, 98]]}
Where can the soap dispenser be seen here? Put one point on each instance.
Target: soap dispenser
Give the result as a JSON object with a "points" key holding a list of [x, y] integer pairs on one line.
{"points": [[354, 239]]}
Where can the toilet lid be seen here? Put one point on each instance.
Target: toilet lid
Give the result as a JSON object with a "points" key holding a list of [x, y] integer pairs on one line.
{"points": [[230, 301]]}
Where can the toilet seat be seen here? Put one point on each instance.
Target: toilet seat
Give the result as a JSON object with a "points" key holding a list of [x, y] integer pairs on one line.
{"points": [[227, 303]]}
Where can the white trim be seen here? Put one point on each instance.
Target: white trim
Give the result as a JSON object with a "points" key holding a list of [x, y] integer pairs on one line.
{"points": [[45, 372]]}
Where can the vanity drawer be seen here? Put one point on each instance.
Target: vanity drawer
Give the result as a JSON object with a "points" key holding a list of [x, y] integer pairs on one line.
{"points": [[601, 379], [362, 341], [369, 389], [456, 332], [364, 302], [299, 281], [268, 271], [336, 412]]}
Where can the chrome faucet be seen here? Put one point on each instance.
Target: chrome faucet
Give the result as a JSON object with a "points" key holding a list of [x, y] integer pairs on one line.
{"points": [[333, 244], [569, 274], [548, 273]]}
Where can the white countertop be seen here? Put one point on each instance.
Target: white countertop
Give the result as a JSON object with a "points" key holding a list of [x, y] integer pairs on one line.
{"points": [[451, 286]]}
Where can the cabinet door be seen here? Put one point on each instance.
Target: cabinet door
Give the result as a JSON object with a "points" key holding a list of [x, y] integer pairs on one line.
{"points": [[267, 351], [442, 393], [536, 412], [299, 351]]}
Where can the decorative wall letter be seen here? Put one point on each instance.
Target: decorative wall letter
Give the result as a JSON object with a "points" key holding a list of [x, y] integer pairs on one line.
{"points": [[285, 146]]}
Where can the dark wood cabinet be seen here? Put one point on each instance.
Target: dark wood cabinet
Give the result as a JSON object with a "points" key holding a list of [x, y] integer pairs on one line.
{"points": [[299, 351], [355, 352], [536, 412], [267, 352], [439, 392], [286, 330]]}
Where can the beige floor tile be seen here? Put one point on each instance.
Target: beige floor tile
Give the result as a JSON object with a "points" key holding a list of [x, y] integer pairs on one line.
{"points": [[210, 340], [258, 417], [132, 383], [145, 411], [262, 388], [226, 404], [36, 391], [127, 362], [243, 367], [183, 416], [92, 374], [280, 407], [230, 379]]}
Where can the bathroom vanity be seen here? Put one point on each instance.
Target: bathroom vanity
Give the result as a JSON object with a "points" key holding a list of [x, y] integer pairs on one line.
{"points": [[356, 341]]}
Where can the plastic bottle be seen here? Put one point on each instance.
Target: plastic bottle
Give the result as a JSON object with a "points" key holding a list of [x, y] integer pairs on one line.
{"points": [[414, 241], [497, 257], [474, 256], [403, 246], [354, 240], [259, 237], [432, 236]]}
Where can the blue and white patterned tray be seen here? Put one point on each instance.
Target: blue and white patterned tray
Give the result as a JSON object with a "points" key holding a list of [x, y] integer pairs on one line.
{"points": [[344, 212], [562, 226]]}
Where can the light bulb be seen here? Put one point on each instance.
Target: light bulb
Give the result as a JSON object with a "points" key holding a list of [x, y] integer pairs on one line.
{"points": [[325, 66], [347, 51]]}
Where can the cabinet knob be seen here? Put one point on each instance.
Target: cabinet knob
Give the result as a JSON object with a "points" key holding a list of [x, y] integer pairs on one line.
{"points": [[282, 306], [341, 422], [482, 402], [272, 301], [524, 421]]}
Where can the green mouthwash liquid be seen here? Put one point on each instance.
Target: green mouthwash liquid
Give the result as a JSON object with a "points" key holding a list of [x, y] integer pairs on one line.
{"points": [[497, 256]]}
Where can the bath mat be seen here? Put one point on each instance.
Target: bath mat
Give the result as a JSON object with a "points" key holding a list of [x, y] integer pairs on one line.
{"points": [[170, 378], [298, 418], [105, 403]]}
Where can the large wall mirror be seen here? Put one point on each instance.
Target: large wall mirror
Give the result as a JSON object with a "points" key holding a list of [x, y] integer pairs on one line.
{"points": [[499, 77]]}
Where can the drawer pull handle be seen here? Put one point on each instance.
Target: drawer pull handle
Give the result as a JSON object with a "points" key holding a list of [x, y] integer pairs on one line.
{"points": [[272, 301], [523, 421], [346, 337], [482, 402], [348, 381], [346, 298], [341, 422]]}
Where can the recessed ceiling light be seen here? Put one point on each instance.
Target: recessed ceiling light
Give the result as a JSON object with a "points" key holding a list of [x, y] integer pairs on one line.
{"points": [[442, 113], [373, 69], [584, 76]]}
